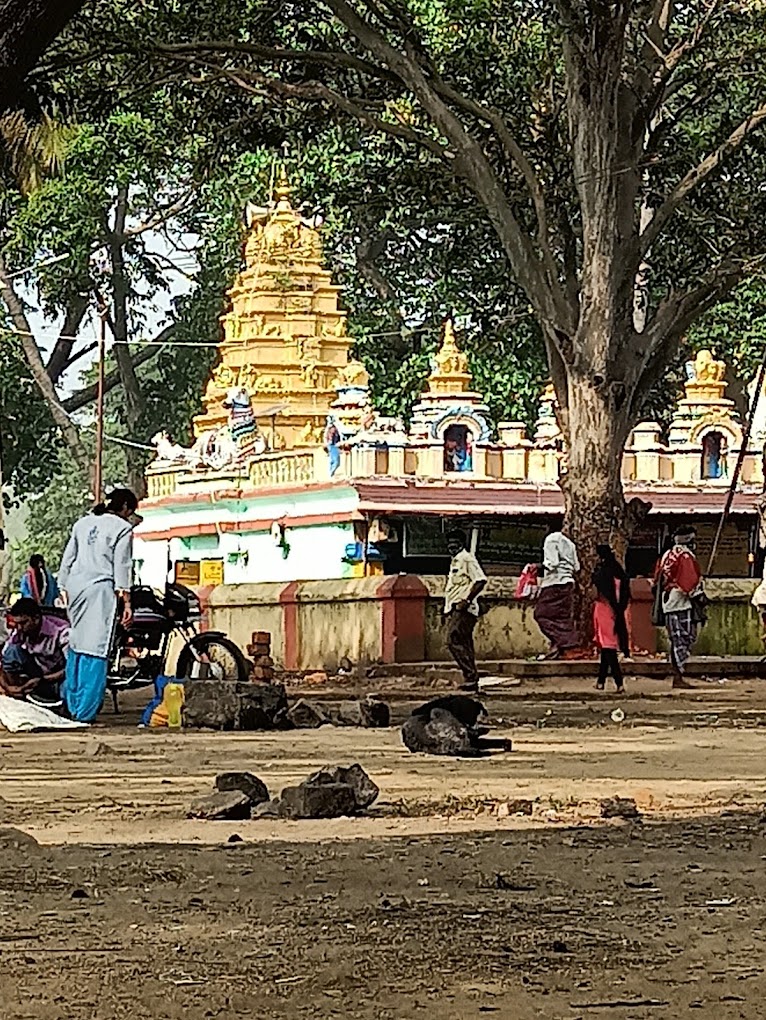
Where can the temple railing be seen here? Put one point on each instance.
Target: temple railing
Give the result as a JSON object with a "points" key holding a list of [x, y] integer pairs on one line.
{"points": [[283, 468], [161, 483]]}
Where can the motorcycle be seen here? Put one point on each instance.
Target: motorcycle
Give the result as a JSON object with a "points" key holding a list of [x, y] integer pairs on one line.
{"points": [[140, 652]]}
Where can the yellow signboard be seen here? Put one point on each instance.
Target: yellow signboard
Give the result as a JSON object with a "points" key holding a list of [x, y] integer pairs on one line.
{"points": [[211, 573]]}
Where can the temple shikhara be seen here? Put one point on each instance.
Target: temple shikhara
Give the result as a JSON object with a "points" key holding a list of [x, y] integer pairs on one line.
{"points": [[294, 475]]}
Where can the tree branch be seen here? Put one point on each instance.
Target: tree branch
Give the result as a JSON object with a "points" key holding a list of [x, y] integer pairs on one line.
{"points": [[544, 294], [15, 307], [112, 379], [61, 355], [694, 177], [673, 318]]}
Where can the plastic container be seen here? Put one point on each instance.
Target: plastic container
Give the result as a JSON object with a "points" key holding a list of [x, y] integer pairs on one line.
{"points": [[173, 699]]}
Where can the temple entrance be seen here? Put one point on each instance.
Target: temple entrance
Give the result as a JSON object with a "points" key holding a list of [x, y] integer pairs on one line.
{"points": [[458, 443], [714, 455]]}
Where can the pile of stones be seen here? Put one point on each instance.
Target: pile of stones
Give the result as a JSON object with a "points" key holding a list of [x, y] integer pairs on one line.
{"points": [[332, 792]]}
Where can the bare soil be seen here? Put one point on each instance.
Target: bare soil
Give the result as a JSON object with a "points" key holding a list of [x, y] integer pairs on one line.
{"points": [[438, 903]]}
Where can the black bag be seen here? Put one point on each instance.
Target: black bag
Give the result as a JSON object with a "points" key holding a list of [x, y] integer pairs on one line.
{"points": [[700, 602]]}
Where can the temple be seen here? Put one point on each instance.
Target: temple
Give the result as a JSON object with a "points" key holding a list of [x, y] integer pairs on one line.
{"points": [[294, 475]]}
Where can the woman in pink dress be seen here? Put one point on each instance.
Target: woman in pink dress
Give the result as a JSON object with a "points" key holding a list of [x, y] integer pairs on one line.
{"points": [[609, 626]]}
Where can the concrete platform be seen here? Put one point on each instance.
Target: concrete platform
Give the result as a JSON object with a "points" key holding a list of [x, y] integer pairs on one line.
{"points": [[730, 667]]}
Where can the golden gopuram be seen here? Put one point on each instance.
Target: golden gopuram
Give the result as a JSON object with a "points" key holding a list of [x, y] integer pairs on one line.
{"points": [[284, 336]]}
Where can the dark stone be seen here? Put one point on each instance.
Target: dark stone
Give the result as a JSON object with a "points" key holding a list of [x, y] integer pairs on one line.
{"points": [[268, 809], [325, 800], [218, 807], [225, 705], [245, 782], [305, 716], [368, 713], [79, 894], [235, 838], [619, 807], [365, 791], [520, 806], [15, 839]]}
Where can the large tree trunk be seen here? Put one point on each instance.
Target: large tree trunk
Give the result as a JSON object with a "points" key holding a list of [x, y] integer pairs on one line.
{"points": [[594, 501]]}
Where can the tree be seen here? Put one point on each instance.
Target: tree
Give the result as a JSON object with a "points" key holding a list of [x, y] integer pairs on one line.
{"points": [[93, 230], [615, 148], [27, 28]]}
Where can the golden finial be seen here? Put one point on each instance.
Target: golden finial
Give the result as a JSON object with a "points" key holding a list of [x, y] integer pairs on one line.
{"points": [[282, 190]]}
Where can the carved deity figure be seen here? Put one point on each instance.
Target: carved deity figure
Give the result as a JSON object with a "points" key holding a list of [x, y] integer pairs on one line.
{"points": [[352, 376], [707, 369]]}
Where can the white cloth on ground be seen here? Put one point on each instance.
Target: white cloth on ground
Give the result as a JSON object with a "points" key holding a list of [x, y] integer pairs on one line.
{"points": [[24, 717]]}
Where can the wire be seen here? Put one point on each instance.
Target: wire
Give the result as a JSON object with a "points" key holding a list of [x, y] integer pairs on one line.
{"points": [[116, 439]]}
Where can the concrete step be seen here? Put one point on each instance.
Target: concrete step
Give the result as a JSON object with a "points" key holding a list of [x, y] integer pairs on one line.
{"points": [[732, 666]]}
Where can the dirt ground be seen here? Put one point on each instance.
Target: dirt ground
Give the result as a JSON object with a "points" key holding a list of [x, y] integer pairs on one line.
{"points": [[437, 903]]}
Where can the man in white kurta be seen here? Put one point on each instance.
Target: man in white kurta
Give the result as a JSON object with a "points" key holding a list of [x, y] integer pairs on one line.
{"points": [[97, 565]]}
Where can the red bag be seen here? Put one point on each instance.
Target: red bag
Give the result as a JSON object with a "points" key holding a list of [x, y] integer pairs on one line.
{"points": [[526, 587]]}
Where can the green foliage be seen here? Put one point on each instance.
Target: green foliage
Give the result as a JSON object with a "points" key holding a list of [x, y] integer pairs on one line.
{"points": [[51, 514], [27, 431]]}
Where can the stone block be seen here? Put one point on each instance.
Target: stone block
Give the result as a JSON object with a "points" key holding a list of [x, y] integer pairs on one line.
{"points": [[365, 791], [368, 713], [306, 716], [220, 807], [619, 807], [326, 800], [223, 705], [244, 782]]}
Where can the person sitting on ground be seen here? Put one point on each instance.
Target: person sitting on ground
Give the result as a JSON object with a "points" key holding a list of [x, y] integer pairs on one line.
{"points": [[609, 626], [34, 656], [38, 582]]}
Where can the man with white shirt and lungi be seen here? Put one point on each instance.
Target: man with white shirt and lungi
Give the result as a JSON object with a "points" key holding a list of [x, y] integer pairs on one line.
{"points": [[465, 581], [554, 608]]}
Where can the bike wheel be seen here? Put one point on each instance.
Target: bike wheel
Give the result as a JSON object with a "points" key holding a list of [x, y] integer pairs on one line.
{"points": [[224, 658]]}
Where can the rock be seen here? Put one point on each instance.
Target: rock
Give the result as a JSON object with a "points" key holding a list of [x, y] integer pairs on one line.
{"points": [[268, 809], [320, 677], [235, 838], [519, 806], [224, 705], [325, 800], [101, 750], [253, 788], [79, 894], [365, 791], [15, 839], [306, 716], [368, 713], [619, 807], [230, 806]]}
